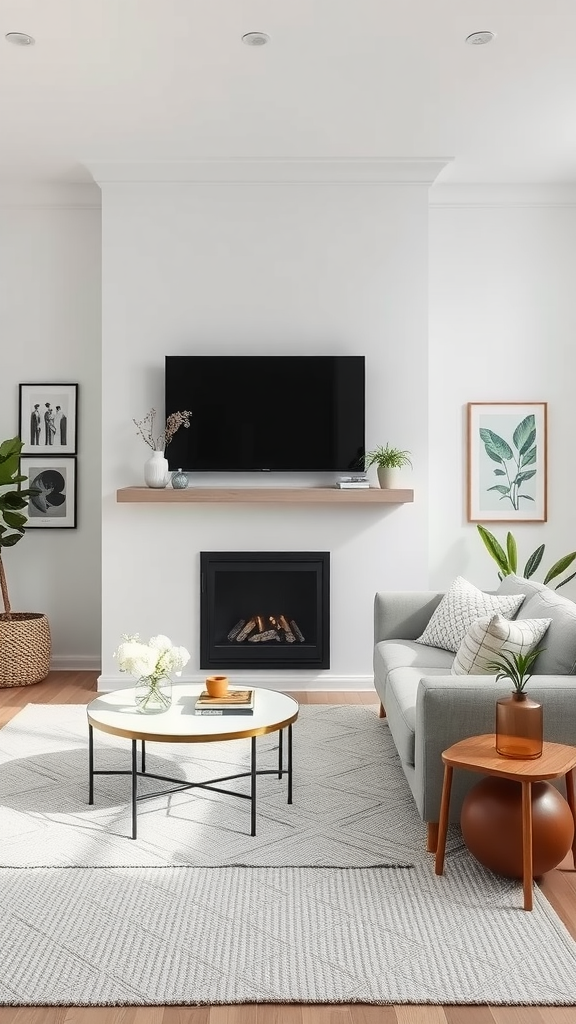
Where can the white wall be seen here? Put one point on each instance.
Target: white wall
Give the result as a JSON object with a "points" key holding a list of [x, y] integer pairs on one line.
{"points": [[50, 329], [502, 328], [333, 268], [302, 268]]}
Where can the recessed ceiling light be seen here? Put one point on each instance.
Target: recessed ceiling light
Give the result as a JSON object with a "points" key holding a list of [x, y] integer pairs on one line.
{"points": [[480, 38], [19, 38], [255, 38]]}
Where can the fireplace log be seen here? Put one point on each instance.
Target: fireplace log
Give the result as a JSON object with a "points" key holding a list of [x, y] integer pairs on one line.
{"points": [[250, 625], [290, 638], [268, 634], [297, 631], [236, 629], [260, 623]]}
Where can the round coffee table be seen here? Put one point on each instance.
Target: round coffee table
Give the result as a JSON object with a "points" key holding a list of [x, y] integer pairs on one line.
{"points": [[116, 713]]}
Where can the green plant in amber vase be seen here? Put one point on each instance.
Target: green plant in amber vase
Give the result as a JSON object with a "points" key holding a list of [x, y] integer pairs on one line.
{"points": [[516, 667]]}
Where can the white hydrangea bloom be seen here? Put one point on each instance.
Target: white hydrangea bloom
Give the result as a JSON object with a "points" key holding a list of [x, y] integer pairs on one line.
{"points": [[156, 658], [180, 657], [161, 642], [137, 659]]}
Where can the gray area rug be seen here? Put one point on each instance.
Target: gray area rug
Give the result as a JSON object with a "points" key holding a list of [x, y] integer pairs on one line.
{"points": [[351, 803], [183, 934], [231, 935]]}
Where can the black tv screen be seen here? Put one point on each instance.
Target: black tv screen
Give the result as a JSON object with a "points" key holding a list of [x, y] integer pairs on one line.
{"points": [[267, 413]]}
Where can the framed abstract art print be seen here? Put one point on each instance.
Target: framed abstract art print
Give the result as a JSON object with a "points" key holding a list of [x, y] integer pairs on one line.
{"points": [[54, 506]]}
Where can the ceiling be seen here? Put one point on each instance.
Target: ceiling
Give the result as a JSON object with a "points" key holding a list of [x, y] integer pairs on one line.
{"points": [[170, 80]]}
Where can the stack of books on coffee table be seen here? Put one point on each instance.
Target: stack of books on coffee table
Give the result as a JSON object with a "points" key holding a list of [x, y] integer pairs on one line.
{"points": [[234, 702]]}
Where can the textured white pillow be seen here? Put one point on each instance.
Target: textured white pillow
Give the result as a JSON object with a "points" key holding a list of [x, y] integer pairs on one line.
{"points": [[492, 635], [461, 605]]}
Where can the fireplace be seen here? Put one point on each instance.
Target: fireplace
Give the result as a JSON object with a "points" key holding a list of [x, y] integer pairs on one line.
{"points": [[264, 609]]}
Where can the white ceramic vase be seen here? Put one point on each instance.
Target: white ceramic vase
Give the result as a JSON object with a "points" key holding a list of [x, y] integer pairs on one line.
{"points": [[156, 470], [389, 477]]}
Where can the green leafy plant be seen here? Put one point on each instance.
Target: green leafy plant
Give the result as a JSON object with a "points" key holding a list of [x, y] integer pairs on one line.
{"points": [[12, 501], [507, 561], [518, 668], [387, 457], [517, 473]]}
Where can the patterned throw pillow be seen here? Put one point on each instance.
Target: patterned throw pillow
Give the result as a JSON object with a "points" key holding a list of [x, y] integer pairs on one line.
{"points": [[492, 635], [461, 605]]}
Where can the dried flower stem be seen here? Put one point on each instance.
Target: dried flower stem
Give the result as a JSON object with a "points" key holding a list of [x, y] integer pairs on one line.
{"points": [[161, 441]]}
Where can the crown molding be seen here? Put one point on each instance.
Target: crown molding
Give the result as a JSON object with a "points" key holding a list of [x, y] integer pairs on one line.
{"points": [[501, 195], [279, 172], [50, 195]]}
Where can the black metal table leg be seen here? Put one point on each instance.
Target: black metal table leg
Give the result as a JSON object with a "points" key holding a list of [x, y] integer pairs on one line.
{"points": [[289, 764], [134, 786], [143, 758], [253, 787], [280, 737], [90, 764]]}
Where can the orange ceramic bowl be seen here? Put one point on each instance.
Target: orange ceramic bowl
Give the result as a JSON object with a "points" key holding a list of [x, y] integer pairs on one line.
{"points": [[217, 686]]}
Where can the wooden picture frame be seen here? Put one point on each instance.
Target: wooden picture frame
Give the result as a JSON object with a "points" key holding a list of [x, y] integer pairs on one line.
{"points": [[507, 462]]}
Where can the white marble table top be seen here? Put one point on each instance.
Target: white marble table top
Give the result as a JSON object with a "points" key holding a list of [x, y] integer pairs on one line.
{"points": [[116, 713]]}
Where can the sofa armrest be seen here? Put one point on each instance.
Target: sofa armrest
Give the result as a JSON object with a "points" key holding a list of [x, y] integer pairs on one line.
{"points": [[451, 708], [403, 615]]}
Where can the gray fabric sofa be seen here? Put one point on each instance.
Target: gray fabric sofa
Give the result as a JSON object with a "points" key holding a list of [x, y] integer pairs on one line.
{"points": [[428, 709]]}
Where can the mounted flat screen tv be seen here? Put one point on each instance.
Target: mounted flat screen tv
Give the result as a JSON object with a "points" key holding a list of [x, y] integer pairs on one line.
{"points": [[267, 413]]}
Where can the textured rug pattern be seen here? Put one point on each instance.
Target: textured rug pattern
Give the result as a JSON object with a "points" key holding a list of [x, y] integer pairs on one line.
{"points": [[232, 935], [110, 921], [352, 805]]}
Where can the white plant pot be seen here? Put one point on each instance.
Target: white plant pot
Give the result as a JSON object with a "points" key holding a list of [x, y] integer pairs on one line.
{"points": [[156, 470], [389, 478]]}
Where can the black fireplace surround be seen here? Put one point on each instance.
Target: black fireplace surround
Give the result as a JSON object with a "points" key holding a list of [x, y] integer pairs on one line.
{"points": [[264, 610]]}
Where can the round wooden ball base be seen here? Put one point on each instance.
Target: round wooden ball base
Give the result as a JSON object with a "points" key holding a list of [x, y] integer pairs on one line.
{"points": [[491, 823]]}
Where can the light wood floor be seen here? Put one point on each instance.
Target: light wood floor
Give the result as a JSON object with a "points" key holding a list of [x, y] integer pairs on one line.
{"points": [[559, 887]]}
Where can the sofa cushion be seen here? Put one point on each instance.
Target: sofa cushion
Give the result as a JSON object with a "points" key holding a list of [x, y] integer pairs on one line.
{"points": [[559, 656], [461, 605], [492, 635], [401, 690], [391, 654]]}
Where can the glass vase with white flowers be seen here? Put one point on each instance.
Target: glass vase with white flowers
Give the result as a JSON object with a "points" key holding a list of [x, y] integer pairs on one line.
{"points": [[152, 664]]}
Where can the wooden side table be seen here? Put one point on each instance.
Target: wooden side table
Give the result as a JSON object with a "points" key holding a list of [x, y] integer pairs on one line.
{"points": [[478, 754]]}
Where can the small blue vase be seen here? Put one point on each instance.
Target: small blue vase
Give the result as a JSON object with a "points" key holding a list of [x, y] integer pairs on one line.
{"points": [[179, 480]]}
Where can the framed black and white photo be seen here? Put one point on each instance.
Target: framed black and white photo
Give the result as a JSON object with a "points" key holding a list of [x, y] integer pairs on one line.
{"points": [[54, 506], [48, 418]]}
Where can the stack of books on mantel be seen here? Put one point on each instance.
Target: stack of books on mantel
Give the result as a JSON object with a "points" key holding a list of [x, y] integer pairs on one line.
{"points": [[234, 702], [345, 482]]}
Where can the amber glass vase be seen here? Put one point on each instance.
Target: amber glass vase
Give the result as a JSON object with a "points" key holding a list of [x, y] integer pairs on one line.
{"points": [[518, 726]]}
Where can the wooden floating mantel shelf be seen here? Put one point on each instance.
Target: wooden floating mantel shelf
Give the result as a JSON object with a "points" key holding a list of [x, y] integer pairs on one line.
{"points": [[268, 495]]}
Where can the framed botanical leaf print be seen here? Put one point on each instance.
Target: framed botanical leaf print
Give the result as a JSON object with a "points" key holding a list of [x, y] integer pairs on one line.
{"points": [[507, 462]]}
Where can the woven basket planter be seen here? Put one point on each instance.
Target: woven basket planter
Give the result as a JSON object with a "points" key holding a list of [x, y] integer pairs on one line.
{"points": [[24, 648]]}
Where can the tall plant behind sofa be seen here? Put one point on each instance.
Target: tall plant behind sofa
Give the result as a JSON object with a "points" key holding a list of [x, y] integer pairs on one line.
{"points": [[507, 561]]}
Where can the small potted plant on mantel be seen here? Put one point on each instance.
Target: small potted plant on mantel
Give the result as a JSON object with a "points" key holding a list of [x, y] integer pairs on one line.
{"points": [[24, 636], [390, 462]]}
